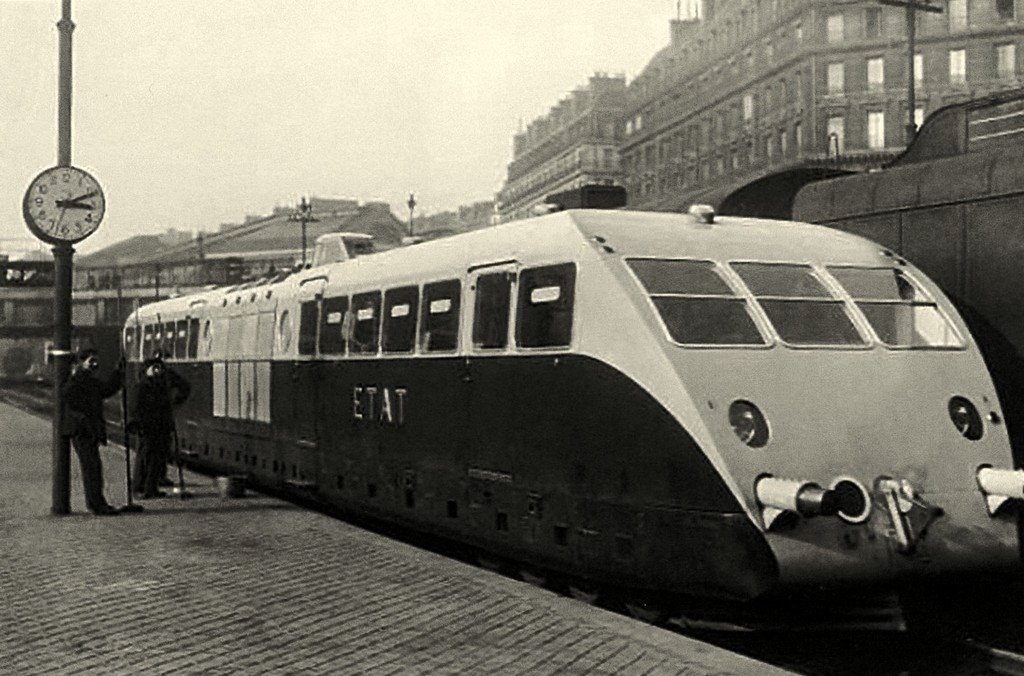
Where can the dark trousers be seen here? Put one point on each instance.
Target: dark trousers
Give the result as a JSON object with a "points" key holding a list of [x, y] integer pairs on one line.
{"points": [[92, 472], [151, 462]]}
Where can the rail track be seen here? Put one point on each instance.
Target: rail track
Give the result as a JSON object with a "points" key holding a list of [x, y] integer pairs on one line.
{"points": [[970, 645]]}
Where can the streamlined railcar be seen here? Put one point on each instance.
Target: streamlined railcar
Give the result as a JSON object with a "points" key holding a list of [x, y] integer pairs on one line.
{"points": [[722, 410]]}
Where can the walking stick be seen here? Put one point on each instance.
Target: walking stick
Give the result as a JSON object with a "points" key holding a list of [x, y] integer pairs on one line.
{"points": [[180, 490], [128, 506]]}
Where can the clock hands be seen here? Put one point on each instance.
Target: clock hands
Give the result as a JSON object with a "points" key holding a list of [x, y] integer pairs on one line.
{"points": [[76, 202]]}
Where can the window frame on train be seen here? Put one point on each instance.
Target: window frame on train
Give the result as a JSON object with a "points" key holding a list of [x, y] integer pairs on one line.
{"points": [[328, 344], [726, 289], [398, 333], [426, 332], [309, 329], [478, 277], [533, 309], [927, 300], [364, 346], [764, 300]]}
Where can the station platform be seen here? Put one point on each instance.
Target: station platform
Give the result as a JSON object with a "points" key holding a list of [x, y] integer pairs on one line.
{"points": [[257, 585]]}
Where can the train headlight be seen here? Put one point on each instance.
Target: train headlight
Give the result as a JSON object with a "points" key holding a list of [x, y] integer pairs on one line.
{"points": [[966, 418], [853, 502], [749, 423]]}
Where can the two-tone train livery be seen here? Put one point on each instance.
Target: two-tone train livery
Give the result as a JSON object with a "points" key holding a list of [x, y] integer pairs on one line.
{"points": [[669, 406]]}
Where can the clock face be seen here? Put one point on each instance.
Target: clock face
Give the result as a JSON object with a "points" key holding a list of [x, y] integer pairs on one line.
{"points": [[63, 204]]}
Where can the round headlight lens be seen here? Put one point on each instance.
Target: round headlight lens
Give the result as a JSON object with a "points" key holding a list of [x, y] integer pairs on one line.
{"points": [[748, 423], [966, 418]]}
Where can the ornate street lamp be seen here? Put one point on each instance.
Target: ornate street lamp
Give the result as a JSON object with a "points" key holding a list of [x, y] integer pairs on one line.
{"points": [[303, 214]]}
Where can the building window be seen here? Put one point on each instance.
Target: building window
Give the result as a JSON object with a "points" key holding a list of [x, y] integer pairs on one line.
{"points": [[769, 147], [836, 78], [783, 142], [748, 106], [798, 136], [957, 66], [1005, 9], [918, 116], [835, 31], [798, 31], [798, 88], [876, 74], [876, 130], [918, 70], [629, 127], [769, 51], [957, 15], [1006, 61], [836, 135], [872, 22]]}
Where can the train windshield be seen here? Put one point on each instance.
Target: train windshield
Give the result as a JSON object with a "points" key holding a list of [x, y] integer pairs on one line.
{"points": [[897, 308], [696, 304], [802, 309]]}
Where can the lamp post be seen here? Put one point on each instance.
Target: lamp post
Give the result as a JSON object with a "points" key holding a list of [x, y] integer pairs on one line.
{"points": [[912, 7], [412, 205], [303, 214]]}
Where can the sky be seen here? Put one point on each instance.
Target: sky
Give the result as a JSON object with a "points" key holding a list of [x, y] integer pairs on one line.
{"points": [[191, 113]]}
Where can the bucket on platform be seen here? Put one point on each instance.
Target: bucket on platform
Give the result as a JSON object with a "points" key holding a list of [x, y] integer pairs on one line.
{"points": [[232, 486]]}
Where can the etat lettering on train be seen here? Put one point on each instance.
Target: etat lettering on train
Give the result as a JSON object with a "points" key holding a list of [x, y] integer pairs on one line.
{"points": [[381, 403]]}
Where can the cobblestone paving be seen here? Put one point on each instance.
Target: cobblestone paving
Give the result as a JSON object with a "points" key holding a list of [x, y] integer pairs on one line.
{"points": [[256, 585]]}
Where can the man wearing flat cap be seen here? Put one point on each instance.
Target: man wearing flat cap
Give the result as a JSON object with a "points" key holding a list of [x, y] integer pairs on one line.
{"points": [[153, 420], [84, 423]]}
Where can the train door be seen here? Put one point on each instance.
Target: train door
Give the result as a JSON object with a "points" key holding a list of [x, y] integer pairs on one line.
{"points": [[302, 467], [490, 395]]}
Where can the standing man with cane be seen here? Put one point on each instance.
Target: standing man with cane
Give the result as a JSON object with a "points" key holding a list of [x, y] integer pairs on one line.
{"points": [[153, 420]]}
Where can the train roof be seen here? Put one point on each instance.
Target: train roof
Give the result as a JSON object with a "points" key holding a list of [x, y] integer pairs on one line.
{"points": [[566, 235]]}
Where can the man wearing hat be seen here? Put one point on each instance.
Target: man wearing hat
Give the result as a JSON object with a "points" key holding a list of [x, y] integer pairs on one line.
{"points": [[153, 420], [84, 423]]}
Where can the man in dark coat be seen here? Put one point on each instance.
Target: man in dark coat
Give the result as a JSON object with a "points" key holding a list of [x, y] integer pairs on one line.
{"points": [[153, 419], [84, 423]]}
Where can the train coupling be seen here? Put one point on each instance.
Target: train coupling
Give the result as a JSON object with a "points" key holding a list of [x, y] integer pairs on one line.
{"points": [[1000, 487]]}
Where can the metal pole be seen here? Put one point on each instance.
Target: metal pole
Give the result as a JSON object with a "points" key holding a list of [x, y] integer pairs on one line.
{"points": [[62, 261], [911, 101], [303, 218]]}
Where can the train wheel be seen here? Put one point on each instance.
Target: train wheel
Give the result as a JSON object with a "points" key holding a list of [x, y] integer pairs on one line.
{"points": [[584, 593], [646, 611], [533, 576]]}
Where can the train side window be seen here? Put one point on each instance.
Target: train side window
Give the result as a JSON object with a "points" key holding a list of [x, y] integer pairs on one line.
{"points": [[695, 303], [167, 340], [545, 309], [128, 343], [439, 316], [491, 310], [181, 339], [308, 319], [193, 338], [798, 305], [897, 308], [147, 342], [400, 307], [366, 326], [332, 320]]}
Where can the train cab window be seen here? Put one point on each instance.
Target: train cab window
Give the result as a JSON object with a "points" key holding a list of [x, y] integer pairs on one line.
{"points": [[897, 308], [193, 338], [695, 303], [181, 339], [798, 305], [366, 325], [544, 311], [400, 307], [491, 311], [308, 319], [332, 334], [439, 316]]}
